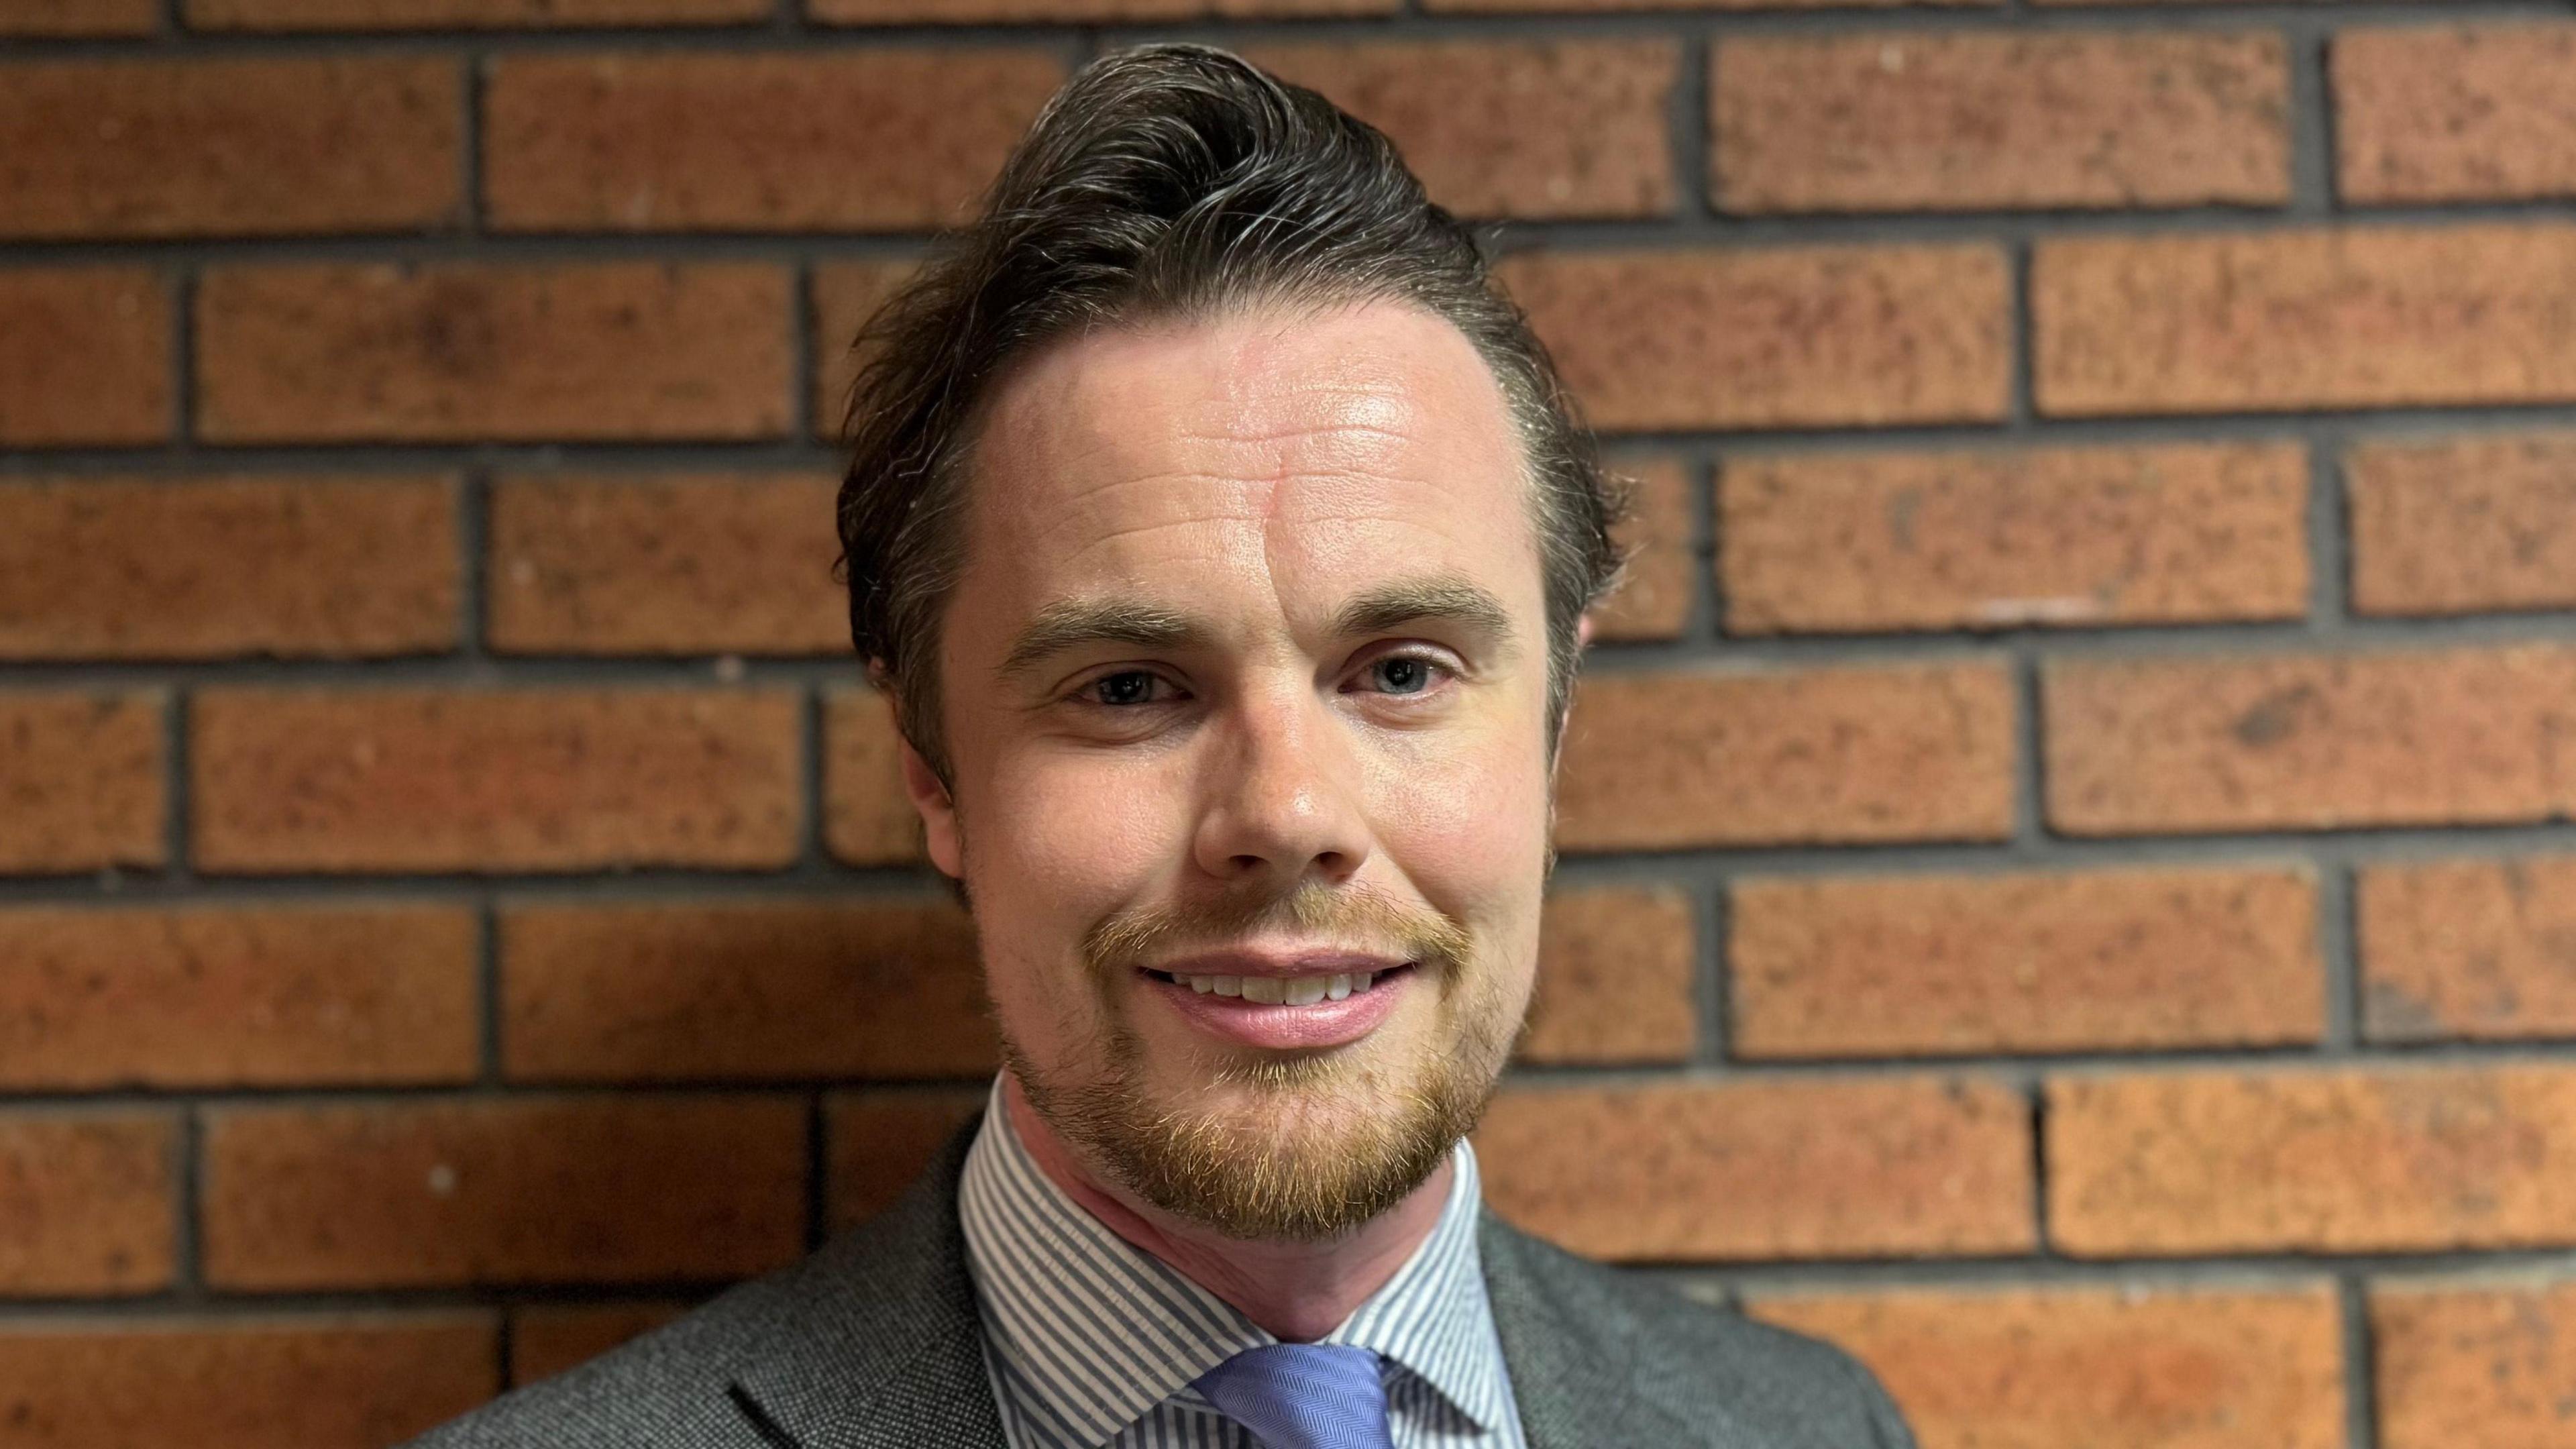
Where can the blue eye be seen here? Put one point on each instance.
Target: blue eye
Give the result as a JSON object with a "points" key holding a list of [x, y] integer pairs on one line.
{"points": [[1403, 673]]}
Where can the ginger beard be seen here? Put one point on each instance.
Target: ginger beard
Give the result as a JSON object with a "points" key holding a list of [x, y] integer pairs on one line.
{"points": [[1329, 1139]]}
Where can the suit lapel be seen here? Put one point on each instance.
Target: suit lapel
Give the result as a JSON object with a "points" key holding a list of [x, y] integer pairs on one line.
{"points": [[878, 1343], [1571, 1353]]}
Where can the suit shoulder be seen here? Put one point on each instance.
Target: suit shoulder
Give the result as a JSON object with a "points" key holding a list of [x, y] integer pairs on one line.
{"points": [[1694, 1356], [665, 1387]]}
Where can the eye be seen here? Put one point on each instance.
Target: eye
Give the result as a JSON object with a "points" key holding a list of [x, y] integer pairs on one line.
{"points": [[1402, 674], [1126, 688]]}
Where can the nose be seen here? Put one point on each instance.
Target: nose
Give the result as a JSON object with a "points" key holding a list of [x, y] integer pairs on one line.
{"points": [[1281, 801]]}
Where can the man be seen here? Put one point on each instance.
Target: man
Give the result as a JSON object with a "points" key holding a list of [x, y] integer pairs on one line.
{"points": [[1224, 546]]}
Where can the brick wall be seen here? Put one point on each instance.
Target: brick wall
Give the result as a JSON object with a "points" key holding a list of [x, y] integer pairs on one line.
{"points": [[2065, 893]]}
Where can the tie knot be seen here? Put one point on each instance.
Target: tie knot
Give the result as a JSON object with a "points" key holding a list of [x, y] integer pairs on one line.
{"points": [[1303, 1395]]}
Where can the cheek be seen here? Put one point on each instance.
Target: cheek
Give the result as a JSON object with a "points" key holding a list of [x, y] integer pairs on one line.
{"points": [[1469, 809], [1051, 849], [1081, 831], [1469, 832]]}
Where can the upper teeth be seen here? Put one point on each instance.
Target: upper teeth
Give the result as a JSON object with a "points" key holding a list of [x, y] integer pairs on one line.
{"points": [[1275, 990]]}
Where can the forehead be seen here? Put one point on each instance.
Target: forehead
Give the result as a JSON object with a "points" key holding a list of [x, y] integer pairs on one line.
{"points": [[1304, 446]]}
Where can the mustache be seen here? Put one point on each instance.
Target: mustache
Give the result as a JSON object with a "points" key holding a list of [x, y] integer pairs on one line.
{"points": [[1355, 917]]}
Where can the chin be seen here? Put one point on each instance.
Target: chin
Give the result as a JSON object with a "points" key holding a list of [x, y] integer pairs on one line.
{"points": [[1282, 1149]]}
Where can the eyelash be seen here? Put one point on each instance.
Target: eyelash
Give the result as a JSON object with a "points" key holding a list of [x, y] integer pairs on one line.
{"points": [[1087, 692]]}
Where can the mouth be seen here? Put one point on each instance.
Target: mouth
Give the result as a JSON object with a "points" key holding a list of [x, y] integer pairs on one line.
{"points": [[1284, 1013], [1283, 990]]}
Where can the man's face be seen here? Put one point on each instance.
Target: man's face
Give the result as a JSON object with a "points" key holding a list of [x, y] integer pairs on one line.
{"points": [[1245, 680]]}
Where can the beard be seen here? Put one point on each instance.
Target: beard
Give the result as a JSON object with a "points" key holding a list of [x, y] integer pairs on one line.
{"points": [[1326, 1141]]}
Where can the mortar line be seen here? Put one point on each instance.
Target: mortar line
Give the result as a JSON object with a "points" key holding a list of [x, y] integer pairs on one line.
{"points": [[2329, 529], [818, 1183], [1691, 121], [1704, 620], [2313, 188], [1713, 978], [188, 1282], [2360, 1361], [2030, 829], [2338, 945], [505, 1337]]}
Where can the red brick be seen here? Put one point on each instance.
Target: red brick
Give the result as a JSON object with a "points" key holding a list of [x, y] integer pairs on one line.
{"points": [[547, 1339], [79, 17], [951, 12], [1806, 337], [2107, 1368], [228, 996], [463, 14], [80, 781], [341, 1381], [1587, 6], [494, 780], [2468, 948], [1654, 602], [773, 989], [844, 296], [1617, 968], [2347, 1160], [1813, 1168], [474, 352], [2064, 961], [2463, 525], [2187, 533], [2473, 113], [151, 568], [2296, 741], [84, 357], [2298, 320], [1761, 755], [162, 148], [1570, 128], [881, 1141], [1912, 122], [867, 819], [86, 1203], [691, 564], [889, 140], [2483, 1363], [502, 1190]]}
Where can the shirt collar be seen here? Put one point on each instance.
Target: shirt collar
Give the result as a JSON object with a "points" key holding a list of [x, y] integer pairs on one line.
{"points": [[1093, 1332]]}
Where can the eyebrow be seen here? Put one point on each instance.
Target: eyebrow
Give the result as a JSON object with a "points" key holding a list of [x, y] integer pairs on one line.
{"points": [[1073, 624], [1446, 598]]}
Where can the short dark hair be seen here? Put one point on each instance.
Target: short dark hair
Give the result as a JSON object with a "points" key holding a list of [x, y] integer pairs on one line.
{"points": [[1171, 181]]}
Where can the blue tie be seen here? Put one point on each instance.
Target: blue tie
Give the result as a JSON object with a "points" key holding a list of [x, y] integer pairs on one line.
{"points": [[1303, 1395]]}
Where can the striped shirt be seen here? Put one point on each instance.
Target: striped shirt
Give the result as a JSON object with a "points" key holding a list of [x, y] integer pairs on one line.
{"points": [[1092, 1343]]}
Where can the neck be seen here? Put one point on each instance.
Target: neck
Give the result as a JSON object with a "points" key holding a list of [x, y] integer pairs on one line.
{"points": [[1297, 1292]]}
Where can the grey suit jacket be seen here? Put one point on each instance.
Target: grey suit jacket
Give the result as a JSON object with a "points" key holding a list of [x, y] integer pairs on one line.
{"points": [[873, 1343]]}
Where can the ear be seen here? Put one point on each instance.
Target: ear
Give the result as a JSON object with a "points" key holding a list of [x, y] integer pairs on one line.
{"points": [[938, 812]]}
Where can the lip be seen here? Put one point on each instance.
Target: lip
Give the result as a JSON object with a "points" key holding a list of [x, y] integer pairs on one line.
{"points": [[1283, 964], [1282, 1027]]}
